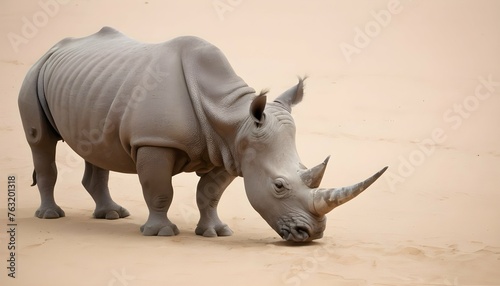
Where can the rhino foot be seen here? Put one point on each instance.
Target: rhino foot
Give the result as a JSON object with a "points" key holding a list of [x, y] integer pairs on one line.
{"points": [[49, 212], [213, 231], [159, 229], [111, 213]]}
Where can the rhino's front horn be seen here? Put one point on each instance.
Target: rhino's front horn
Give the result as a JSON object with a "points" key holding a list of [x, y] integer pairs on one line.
{"points": [[325, 200], [312, 177]]}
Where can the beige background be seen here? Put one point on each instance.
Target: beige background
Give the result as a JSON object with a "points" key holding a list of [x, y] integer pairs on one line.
{"points": [[411, 95]]}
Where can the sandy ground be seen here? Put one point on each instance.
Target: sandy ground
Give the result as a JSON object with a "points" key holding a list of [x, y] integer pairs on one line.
{"points": [[415, 86]]}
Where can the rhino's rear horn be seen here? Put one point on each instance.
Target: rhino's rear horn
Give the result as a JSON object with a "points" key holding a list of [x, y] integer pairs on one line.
{"points": [[292, 96], [325, 200], [312, 177]]}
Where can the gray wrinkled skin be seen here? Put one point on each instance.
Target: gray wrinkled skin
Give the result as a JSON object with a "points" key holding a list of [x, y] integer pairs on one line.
{"points": [[161, 109]]}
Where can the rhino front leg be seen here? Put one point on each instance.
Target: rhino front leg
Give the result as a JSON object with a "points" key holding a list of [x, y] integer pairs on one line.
{"points": [[155, 169], [95, 181], [209, 190]]}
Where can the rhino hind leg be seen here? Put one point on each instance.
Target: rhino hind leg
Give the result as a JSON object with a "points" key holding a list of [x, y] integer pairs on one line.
{"points": [[155, 167], [95, 181], [45, 174], [209, 190], [42, 140]]}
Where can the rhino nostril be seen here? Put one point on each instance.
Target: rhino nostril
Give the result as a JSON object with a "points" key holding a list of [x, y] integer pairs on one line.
{"points": [[297, 233], [285, 234], [300, 233], [304, 231]]}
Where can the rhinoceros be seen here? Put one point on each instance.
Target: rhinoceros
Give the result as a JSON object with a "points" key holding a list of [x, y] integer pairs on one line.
{"points": [[161, 109]]}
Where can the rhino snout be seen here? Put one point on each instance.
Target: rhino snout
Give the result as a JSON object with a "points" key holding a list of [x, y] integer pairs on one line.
{"points": [[298, 230], [296, 233]]}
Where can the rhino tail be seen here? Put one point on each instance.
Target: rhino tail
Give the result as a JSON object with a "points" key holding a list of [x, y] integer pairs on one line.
{"points": [[34, 178]]}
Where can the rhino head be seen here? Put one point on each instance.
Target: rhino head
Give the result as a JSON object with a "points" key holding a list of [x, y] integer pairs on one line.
{"points": [[279, 187]]}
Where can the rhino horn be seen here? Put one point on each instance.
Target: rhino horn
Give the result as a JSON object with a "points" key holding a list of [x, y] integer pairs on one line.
{"points": [[312, 177], [292, 96], [324, 200]]}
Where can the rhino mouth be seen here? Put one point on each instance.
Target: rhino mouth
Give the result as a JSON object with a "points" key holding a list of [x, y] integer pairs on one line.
{"points": [[297, 230]]}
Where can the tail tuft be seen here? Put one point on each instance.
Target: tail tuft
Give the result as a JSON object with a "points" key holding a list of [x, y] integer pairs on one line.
{"points": [[34, 178]]}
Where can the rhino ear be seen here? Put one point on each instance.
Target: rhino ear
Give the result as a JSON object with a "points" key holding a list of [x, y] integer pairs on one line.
{"points": [[292, 96], [257, 108]]}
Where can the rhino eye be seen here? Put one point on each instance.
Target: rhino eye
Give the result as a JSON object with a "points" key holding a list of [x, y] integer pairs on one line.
{"points": [[281, 187], [279, 184]]}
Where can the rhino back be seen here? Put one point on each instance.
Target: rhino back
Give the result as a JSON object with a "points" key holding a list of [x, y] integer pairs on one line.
{"points": [[109, 95]]}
